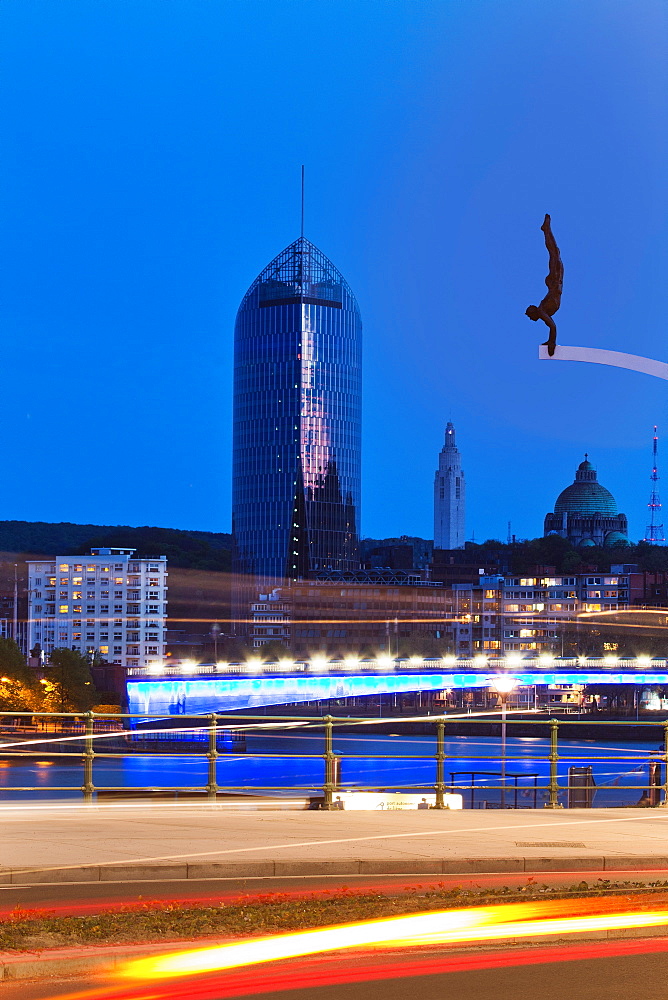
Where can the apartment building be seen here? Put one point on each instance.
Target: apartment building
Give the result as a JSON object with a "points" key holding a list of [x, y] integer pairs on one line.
{"points": [[109, 603], [537, 613]]}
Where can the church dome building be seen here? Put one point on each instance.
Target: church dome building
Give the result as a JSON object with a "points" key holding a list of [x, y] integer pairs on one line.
{"points": [[586, 513]]}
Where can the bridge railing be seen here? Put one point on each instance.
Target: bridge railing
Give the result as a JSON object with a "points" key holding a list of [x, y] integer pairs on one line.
{"points": [[555, 768]]}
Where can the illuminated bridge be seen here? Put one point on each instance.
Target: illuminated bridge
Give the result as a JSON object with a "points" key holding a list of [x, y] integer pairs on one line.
{"points": [[193, 688]]}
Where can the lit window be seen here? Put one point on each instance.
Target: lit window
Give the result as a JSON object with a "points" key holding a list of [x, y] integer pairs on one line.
{"points": [[118, 580], [76, 580], [90, 569], [64, 608], [63, 567]]}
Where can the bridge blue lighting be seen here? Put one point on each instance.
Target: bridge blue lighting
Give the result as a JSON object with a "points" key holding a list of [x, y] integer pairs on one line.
{"points": [[195, 696]]}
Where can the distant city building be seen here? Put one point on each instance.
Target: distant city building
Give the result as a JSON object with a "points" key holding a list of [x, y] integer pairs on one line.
{"points": [[297, 423], [369, 610], [586, 513], [538, 613], [406, 552], [110, 603], [450, 566], [375, 611], [449, 496]]}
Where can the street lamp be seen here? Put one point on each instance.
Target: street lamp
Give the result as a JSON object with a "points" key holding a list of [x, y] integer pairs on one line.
{"points": [[503, 684]]}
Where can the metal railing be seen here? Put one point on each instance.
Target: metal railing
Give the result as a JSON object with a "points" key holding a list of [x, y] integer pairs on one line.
{"points": [[40, 733]]}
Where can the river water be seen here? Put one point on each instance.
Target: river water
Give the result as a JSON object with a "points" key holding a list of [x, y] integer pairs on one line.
{"points": [[614, 765]]}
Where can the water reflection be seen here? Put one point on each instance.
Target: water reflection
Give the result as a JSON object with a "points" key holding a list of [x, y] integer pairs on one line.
{"points": [[400, 770]]}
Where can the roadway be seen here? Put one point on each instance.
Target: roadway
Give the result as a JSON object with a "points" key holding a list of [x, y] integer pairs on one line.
{"points": [[595, 971], [87, 897]]}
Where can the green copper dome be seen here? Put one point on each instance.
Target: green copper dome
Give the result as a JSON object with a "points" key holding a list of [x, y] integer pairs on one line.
{"points": [[614, 538], [586, 495]]}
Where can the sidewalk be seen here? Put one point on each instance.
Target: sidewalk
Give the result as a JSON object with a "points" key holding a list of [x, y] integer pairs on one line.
{"points": [[174, 841]]}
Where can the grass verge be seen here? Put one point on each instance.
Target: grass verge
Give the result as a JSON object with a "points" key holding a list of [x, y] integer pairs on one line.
{"points": [[29, 930]]}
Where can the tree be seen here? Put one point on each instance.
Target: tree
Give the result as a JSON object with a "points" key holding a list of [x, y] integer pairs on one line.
{"points": [[68, 683], [12, 663], [19, 691]]}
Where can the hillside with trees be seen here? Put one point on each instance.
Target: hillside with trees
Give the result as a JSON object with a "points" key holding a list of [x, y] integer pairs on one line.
{"points": [[205, 550]]}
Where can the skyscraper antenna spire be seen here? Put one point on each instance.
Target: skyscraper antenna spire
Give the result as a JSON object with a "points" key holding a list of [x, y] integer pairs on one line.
{"points": [[302, 226], [654, 533]]}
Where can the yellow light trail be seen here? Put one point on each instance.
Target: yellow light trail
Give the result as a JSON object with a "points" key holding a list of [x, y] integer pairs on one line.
{"points": [[490, 923]]}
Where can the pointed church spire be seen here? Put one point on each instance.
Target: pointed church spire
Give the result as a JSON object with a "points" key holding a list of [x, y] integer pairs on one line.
{"points": [[449, 496]]}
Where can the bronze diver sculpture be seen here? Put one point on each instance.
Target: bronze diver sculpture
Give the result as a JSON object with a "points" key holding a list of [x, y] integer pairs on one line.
{"points": [[555, 283]]}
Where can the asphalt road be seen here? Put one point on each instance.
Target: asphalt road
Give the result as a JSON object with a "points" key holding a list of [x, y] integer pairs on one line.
{"points": [[59, 894], [609, 977]]}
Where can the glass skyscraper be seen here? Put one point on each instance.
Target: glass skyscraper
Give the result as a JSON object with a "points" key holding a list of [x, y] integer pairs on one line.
{"points": [[297, 420]]}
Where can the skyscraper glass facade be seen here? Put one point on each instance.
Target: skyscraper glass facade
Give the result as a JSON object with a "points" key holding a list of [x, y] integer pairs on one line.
{"points": [[297, 420]]}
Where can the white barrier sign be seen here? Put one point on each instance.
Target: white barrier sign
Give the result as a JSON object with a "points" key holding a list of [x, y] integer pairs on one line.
{"points": [[390, 801]]}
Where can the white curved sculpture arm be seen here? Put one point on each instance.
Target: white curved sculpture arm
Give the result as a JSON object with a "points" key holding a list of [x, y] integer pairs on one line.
{"points": [[659, 369]]}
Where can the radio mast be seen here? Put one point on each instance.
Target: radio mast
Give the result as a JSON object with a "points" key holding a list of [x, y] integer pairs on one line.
{"points": [[654, 532]]}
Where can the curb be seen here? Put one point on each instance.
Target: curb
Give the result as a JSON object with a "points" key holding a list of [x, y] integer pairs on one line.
{"points": [[267, 869]]}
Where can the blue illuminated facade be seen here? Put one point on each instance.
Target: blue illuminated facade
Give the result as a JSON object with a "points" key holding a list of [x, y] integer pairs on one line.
{"points": [[196, 696], [297, 421]]}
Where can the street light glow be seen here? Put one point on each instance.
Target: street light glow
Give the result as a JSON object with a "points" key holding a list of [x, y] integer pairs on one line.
{"points": [[503, 684], [513, 659]]}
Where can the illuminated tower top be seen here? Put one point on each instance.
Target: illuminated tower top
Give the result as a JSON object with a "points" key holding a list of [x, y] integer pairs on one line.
{"points": [[449, 496]]}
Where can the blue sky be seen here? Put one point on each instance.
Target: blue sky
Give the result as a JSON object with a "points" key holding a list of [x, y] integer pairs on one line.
{"points": [[150, 169]]}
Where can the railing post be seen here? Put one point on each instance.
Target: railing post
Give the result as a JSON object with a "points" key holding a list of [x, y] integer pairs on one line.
{"points": [[553, 802], [440, 765], [212, 756], [330, 783], [663, 759], [88, 788]]}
